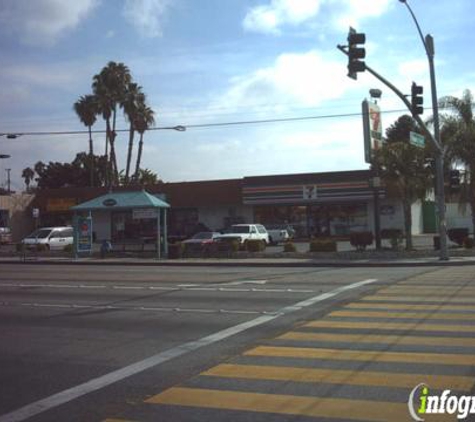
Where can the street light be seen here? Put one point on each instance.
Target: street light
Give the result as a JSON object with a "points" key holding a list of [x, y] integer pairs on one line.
{"points": [[428, 43]]}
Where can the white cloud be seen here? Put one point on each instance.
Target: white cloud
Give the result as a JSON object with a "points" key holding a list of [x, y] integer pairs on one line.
{"points": [[307, 79], [351, 12], [41, 22], [414, 68], [270, 18], [146, 15]]}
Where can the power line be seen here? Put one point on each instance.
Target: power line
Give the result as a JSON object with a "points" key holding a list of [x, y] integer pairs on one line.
{"points": [[181, 128]]}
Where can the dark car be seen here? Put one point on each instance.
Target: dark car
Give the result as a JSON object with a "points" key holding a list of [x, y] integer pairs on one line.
{"points": [[199, 242], [202, 238]]}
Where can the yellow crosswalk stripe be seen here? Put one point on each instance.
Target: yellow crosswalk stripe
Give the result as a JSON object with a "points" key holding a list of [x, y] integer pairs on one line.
{"points": [[402, 315], [380, 339], [408, 306], [414, 298], [428, 292], [363, 355], [334, 376], [449, 287], [359, 410], [406, 326]]}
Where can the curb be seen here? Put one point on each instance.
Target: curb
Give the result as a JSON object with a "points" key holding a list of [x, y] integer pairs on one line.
{"points": [[241, 263]]}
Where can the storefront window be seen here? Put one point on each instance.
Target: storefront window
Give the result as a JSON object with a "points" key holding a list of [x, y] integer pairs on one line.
{"points": [[316, 220], [337, 220]]}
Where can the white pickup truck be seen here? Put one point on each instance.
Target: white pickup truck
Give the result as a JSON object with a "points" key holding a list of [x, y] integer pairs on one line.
{"points": [[244, 232]]}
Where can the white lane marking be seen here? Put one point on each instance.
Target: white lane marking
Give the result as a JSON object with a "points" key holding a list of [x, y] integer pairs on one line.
{"points": [[238, 283], [95, 384], [132, 308], [178, 288], [128, 287]]}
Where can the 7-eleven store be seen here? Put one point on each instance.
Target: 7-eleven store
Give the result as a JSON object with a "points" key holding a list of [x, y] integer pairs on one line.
{"points": [[324, 204], [315, 204]]}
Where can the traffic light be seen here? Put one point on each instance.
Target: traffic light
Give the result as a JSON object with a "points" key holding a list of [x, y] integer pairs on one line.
{"points": [[355, 53], [454, 179], [416, 99]]}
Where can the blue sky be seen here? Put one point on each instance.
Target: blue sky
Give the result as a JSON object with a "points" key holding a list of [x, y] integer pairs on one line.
{"points": [[214, 61]]}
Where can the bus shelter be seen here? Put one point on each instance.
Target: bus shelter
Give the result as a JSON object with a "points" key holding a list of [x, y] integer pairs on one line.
{"points": [[124, 216]]}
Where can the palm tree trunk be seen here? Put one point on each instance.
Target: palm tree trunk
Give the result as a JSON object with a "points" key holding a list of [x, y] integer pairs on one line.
{"points": [[139, 158], [113, 156], [91, 159], [108, 162], [113, 163], [129, 152]]}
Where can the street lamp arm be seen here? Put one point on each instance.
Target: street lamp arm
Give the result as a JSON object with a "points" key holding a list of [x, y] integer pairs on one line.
{"points": [[430, 52]]}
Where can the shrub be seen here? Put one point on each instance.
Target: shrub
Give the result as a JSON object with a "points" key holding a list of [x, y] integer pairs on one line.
{"points": [[255, 245], [391, 233], [230, 244], [68, 248], [223, 245], [323, 245], [289, 247], [41, 247], [458, 235], [394, 236], [468, 243], [360, 240]]}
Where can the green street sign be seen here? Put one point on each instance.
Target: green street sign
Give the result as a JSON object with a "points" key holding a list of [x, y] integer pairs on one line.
{"points": [[416, 140]]}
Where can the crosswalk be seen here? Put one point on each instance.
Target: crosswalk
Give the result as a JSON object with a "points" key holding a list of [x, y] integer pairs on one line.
{"points": [[358, 363]]}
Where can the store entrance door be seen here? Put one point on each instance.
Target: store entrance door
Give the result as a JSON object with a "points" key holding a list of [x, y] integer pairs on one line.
{"points": [[319, 221]]}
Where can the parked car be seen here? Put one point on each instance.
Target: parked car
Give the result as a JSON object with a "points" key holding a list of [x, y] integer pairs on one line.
{"points": [[53, 238], [200, 240], [278, 233], [245, 232], [5, 236]]}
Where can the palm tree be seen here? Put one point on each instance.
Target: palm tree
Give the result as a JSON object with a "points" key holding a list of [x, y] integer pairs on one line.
{"points": [[143, 121], [458, 132], [87, 108], [148, 177], [28, 175], [110, 86], [133, 101]]}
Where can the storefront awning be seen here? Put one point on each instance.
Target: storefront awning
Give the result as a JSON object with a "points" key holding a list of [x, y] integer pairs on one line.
{"points": [[122, 201]]}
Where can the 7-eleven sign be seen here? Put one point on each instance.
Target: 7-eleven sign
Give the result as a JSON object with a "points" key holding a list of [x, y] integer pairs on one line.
{"points": [[310, 192]]}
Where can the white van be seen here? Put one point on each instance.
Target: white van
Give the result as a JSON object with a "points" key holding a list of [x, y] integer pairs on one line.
{"points": [[54, 238]]}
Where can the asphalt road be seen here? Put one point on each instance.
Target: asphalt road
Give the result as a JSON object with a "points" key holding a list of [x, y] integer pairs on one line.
{"points": [[105, 343]]}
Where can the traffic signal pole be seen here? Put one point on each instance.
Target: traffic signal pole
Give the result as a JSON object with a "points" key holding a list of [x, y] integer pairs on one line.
{"points": [[435, 139], [428, 43]]}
